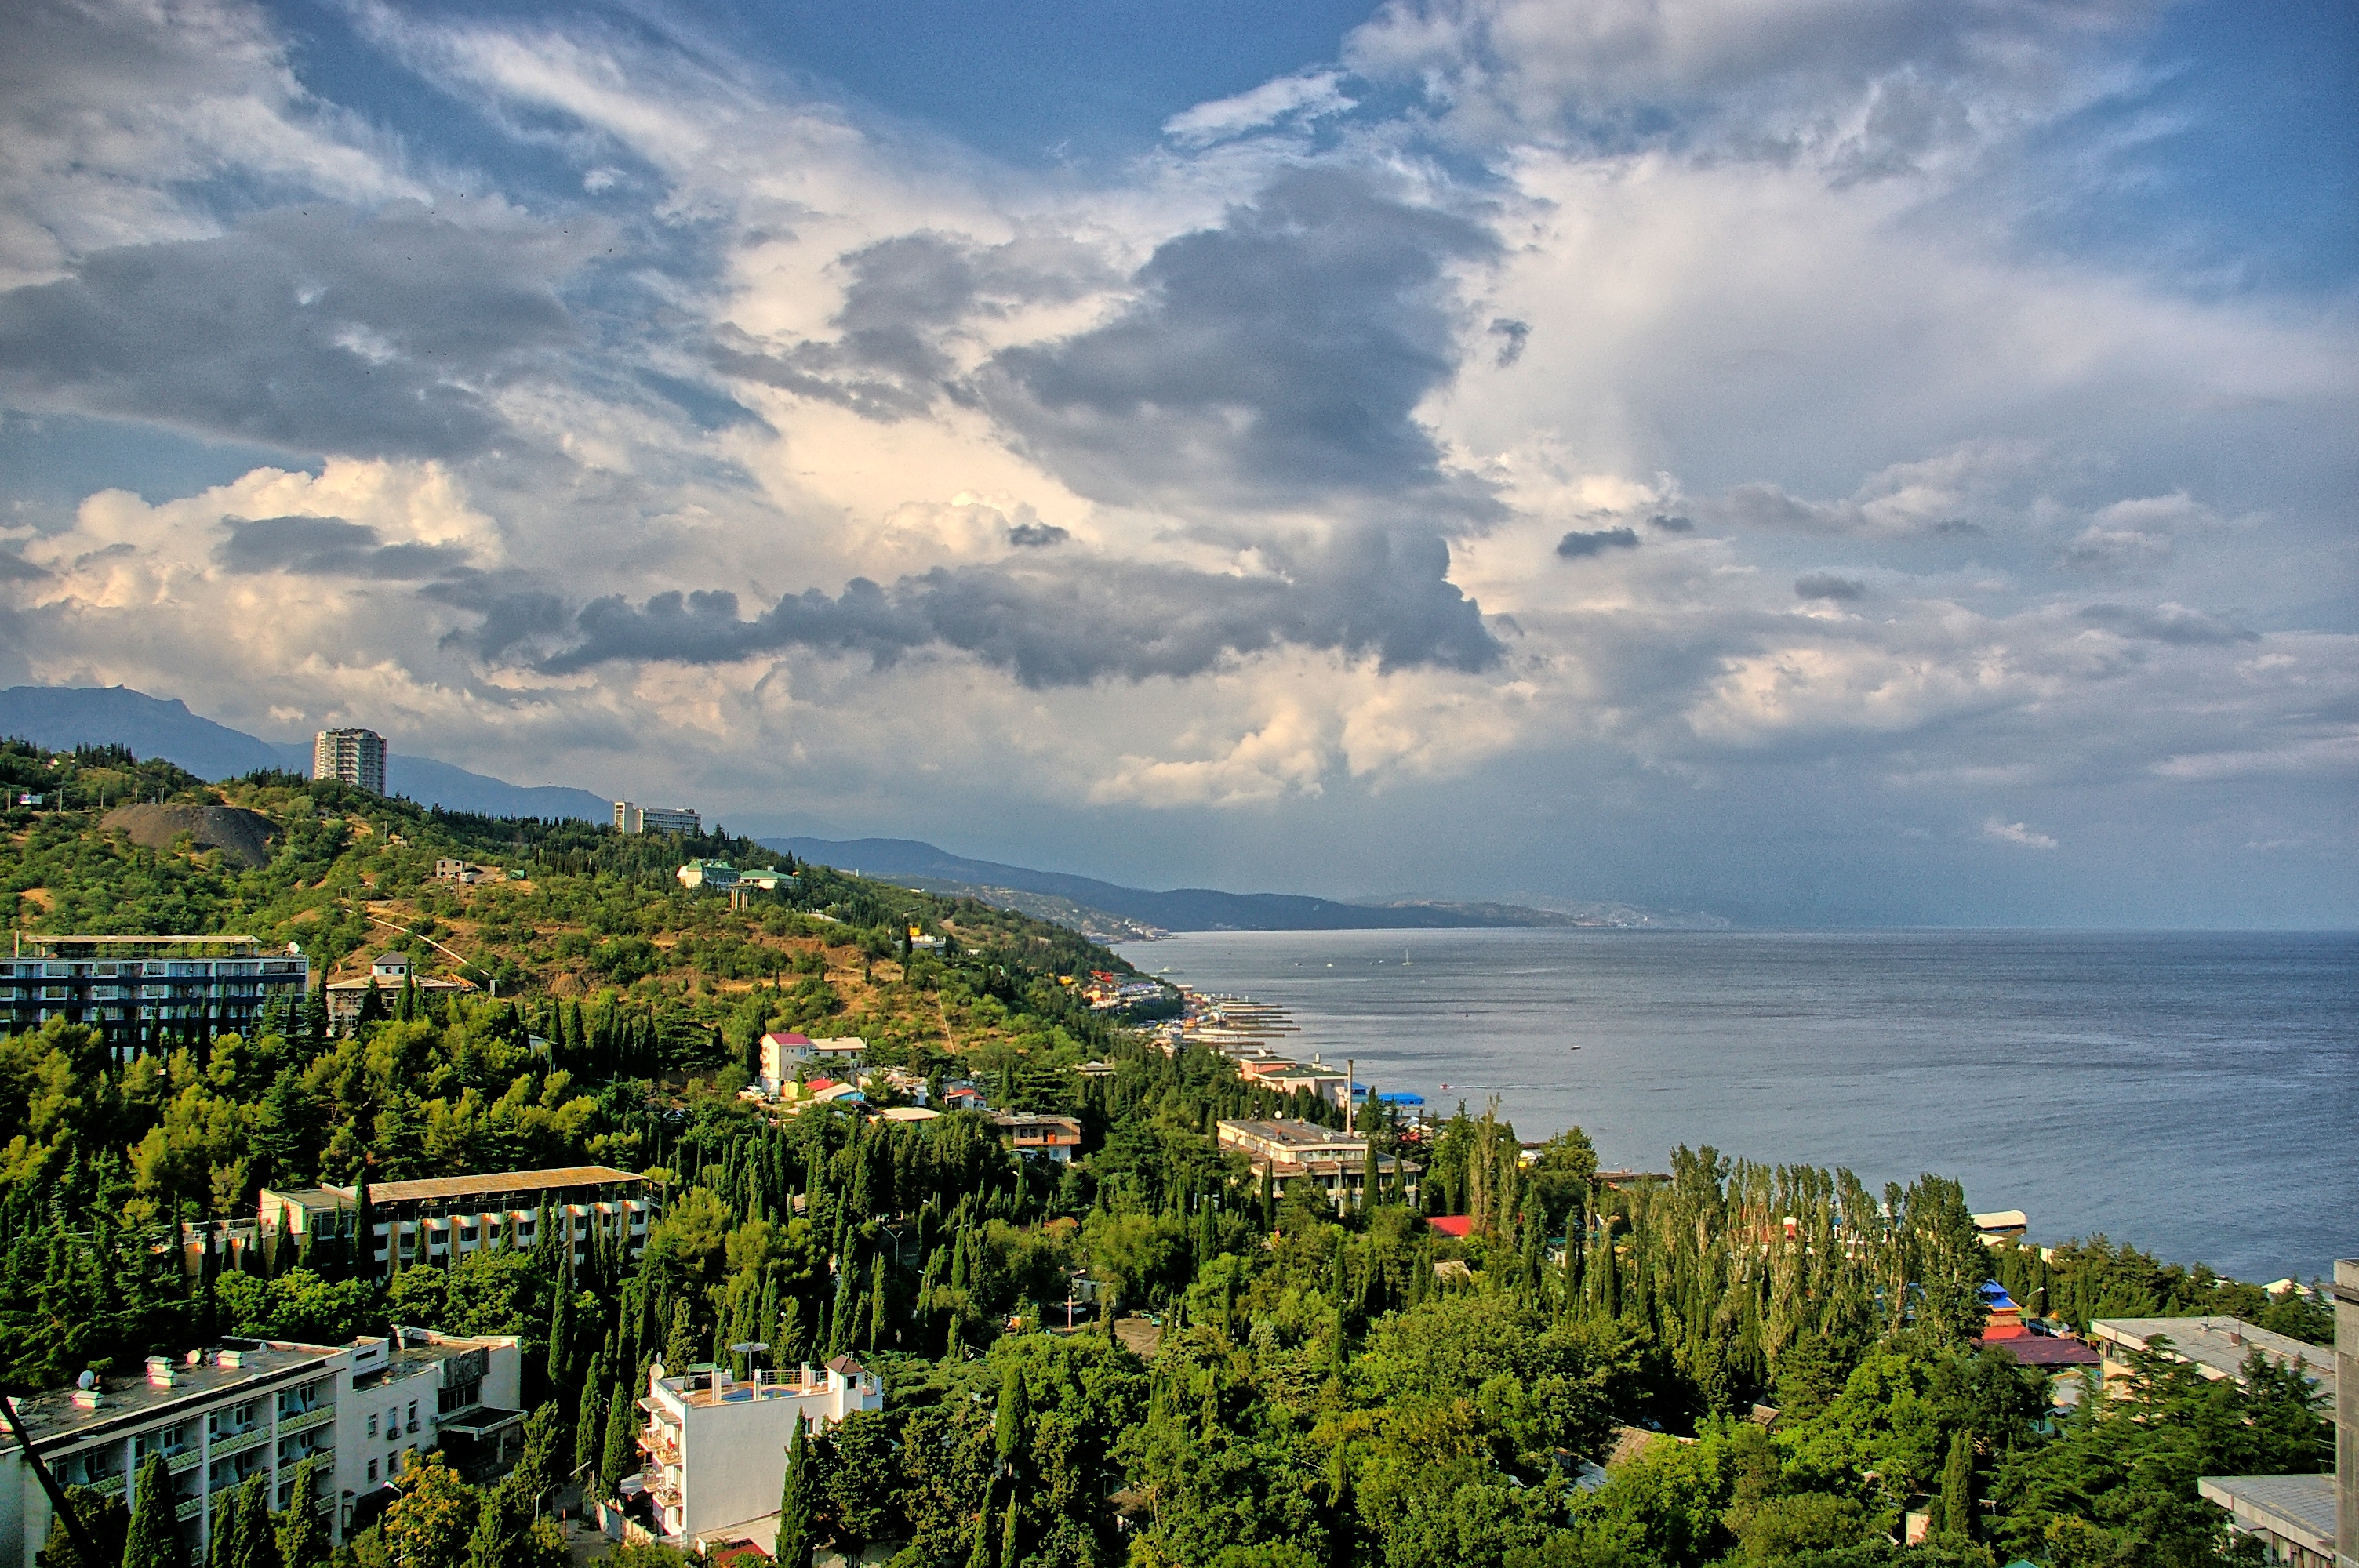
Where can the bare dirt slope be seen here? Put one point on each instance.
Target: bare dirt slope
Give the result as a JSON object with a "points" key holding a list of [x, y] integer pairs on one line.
{"points": [[243, 836]]}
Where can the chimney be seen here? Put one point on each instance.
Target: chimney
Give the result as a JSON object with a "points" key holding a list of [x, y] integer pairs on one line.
{"points": [[159, 1371]]}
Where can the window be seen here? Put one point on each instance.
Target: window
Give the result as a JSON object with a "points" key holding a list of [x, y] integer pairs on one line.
{"points": [[413, 1415], [372, 1469], [371, 1431]]}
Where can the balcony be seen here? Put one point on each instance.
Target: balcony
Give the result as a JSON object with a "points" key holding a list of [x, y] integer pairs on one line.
{"points": [[178, 1460], [111, 1485], [291, 1424], [239, 1441], [189, 1508]]}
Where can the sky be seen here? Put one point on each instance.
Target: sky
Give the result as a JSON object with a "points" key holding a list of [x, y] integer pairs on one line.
{"points": [[1809, 461]]}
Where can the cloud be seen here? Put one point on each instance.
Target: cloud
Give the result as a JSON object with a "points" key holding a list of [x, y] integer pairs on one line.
{"points": [[1576, 545], [1826, 585], [1278, 358], [1299, 97], [1068, 625], [1512, 336], [2017, 834], [330, 546], [1671, 524], [2167, 624], [1036, 535], [310, 330], [2114, 552]]}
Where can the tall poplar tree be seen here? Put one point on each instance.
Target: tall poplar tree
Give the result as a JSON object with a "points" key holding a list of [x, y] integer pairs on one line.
{"points": [[793, 1548], [154, 1538]]}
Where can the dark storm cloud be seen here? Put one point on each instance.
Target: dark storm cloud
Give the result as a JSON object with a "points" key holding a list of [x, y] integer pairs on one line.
{"points": [[1576, 545], [887, 362], [2167, 624], [330, 546], [1035, 536], [1670, 525], [1070, 626], [1826, 585], [311, 330], [1281, 355], [14, 568]]}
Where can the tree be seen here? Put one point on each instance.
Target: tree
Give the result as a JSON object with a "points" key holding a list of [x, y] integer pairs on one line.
{"points": [[429, 1525], [590, 1417], [301, 1543], [152, 1537], [104, 1523], [1958, 1487], [793, 1548], [622, 1447]]}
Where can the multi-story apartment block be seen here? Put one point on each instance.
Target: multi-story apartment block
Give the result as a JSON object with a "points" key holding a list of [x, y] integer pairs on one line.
{"points": [[632, 817], [716, 1449], [388, 972], [356, 757], [143, 992], [222, 1414], [443, 1218]]}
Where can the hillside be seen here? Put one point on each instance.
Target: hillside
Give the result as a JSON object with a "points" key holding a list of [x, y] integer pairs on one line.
{"points": [[1202, 909]]}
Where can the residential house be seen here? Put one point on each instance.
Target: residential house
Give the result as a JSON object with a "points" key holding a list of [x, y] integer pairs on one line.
{"points": [[1036, 1135], [388, 972], [716, 1449], [1337, 1162]]}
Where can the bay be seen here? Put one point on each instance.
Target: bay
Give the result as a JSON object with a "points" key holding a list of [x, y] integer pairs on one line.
{"points": [[2196, 1094]]}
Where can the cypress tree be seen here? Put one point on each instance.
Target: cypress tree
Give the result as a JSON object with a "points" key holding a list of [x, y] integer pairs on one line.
{"points": [[154, 1538], [1008, 1540], [876, 1301], [793, 1548], [561, 1322], [1958, 1487], [590, 1421], [301, 1543], [1010, 1419], [224, 1529], [615, 1461], [255, 1545]]}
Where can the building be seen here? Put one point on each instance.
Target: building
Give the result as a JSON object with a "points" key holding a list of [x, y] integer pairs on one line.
{"points": [[2001, 1225], [222, 1414], [443, 1218], [783, 1052], [2063, 1359], [2293, 1515], [466, 872], [387, 973], [2346, 1409], [2216, 1345], [710, 876], [632, 817], [716, 1449], [1330, 1084], [1057, 1138], [1337, 1162], [356, 757], [148, 993]]}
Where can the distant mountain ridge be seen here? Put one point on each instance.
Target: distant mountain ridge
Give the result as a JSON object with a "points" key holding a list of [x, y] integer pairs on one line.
{"points": [[912, 861], [63, 717]]}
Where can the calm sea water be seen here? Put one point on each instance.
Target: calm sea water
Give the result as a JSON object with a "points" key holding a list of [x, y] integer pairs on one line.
{"points": [[2196, 1094]]}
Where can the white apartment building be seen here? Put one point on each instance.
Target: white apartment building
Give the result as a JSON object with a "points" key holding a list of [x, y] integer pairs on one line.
{"points": [[783, 1052], [356, 757], [443, 1218], [222, 1414], [716, 1449], [1337, 1162]]}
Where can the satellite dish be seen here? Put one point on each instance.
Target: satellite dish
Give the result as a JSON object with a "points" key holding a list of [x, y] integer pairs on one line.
{"points": [[295, 947], [87, 1381]]}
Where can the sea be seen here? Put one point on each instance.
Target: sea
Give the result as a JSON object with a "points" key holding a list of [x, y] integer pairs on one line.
{"points": [[2193, 1093]]}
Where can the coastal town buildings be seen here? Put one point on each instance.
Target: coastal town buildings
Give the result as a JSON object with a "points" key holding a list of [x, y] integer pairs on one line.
{"points": [[716, 1449], [356, 757], [707, 876], [442, 1219], [2217, 1346], [148, 993], [223, 1413], [1337, 1162], [784, 1052]]}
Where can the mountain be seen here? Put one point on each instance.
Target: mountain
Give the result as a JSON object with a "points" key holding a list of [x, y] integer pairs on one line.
{"points": [[909, 861], [65, 717]]}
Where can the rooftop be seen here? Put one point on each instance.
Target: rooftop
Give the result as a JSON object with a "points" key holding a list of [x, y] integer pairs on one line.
{"points": [[2046, 1350], [54, 1419], [500, 1182], [2220, 1344], [1293, 1134], [2298, 1507]]}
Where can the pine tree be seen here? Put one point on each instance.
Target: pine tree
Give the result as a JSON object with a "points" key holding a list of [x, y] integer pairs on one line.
{"points": [[793, 1548], [154, 1538]]}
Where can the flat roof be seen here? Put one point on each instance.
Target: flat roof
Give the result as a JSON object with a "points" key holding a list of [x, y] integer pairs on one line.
{"points": [[1294, 1134], [127, 1404], [2298, 1507], [2219, 1344], [499, 1182]]}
